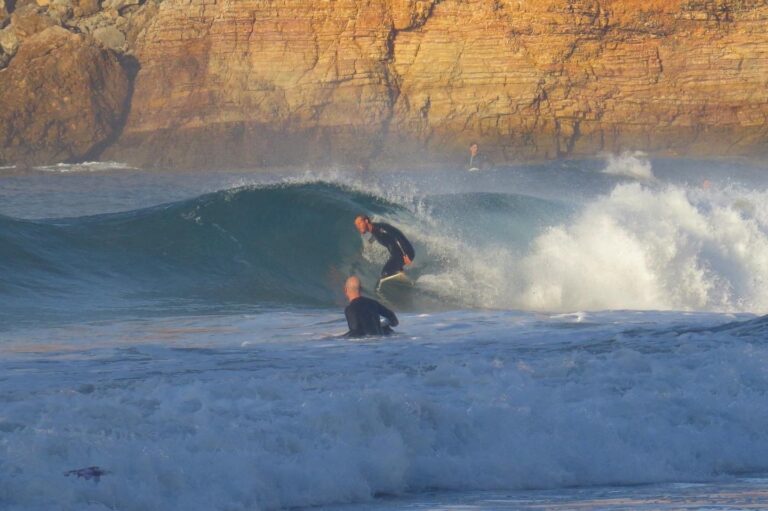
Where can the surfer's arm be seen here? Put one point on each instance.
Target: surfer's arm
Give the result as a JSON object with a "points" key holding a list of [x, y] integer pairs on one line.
{"points": [[406, 258], [388, 314], [406, 249]]}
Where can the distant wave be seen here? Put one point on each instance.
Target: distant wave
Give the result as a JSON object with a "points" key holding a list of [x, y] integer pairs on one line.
{"points": [[87, 166], [634, 165]]}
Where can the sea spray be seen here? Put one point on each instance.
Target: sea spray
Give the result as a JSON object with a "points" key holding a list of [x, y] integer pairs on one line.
{"points": [[643, 248], [631, 164]]}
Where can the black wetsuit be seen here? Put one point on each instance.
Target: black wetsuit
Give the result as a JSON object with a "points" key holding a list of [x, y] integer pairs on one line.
{"points": [[397, 244], [363, 318], [479, 162]]}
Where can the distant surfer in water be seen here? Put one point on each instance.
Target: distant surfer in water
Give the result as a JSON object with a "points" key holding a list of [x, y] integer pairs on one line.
{"points": [[477, 160], [363, 314], [401, 251]]}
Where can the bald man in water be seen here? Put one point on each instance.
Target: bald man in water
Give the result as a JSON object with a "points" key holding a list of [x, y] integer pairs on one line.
{"points": [[363, 313]]}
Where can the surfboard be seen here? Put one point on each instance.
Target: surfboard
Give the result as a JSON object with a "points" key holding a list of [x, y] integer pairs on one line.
{"points": [[399, 279], [474, 169], [396, 290]]}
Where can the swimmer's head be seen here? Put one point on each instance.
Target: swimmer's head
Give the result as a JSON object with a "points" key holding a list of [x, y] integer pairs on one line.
{"points": [[352, 288]]}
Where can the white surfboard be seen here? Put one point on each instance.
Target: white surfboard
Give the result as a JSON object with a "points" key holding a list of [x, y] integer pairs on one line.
{"points": [[398, 280], [396, 291]]}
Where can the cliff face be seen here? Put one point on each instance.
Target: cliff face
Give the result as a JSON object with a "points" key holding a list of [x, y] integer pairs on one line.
{"points": [[270, 82], [265, 82], [555, 78]]}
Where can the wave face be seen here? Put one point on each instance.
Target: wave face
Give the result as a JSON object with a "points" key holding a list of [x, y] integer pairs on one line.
{"points": [[638, 247], [281, 244]]}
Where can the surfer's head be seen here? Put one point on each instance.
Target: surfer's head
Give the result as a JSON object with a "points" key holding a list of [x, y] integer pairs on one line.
{"points": [[352, 288], [473, 148], [363, 224]]}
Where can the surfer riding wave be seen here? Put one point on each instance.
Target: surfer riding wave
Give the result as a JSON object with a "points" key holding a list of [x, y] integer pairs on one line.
{"points": [[401, 252]]}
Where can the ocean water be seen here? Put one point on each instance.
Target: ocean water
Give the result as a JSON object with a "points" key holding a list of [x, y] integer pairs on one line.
{"points": [[582, 335]]}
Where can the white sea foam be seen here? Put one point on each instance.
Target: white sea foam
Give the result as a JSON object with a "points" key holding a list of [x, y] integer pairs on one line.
{"points": [[660, 248], [468, 401], [633, 164], [87, 166]]}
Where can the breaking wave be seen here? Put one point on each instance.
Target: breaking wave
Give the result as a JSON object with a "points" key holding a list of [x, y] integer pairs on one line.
{"points": [[638, 247]]}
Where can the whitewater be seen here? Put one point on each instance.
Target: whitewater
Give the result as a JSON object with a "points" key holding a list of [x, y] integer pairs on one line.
{"points": [[584, 334]]}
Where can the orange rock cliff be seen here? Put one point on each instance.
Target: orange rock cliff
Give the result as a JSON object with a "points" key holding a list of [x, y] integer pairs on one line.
{"points": [[248, 83]]}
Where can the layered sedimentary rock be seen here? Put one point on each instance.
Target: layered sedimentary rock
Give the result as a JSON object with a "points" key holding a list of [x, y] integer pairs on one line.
{"points": [[61, 96], [262, 82], [257, 82], [271, 82], [572, 78]]}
